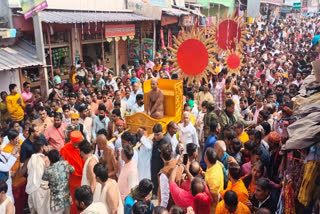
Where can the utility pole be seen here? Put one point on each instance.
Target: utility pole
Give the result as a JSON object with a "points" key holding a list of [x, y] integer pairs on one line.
{"points": [[38, 35]]}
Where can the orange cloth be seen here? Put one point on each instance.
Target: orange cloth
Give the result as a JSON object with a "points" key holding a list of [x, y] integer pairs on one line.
{"points": [[241, 209], [76, 137], [16, 180], [123, 94], [244, 137], [72, 155], [74, 116], [238, 188]]}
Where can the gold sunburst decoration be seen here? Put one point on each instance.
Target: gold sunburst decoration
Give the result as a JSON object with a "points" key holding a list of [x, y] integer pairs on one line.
{"points": [[230, 34], [192, 55], [233, 60]]}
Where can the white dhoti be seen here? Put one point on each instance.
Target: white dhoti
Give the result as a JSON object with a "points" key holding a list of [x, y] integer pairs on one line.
{"points": [[39, 201], [38, 190]]}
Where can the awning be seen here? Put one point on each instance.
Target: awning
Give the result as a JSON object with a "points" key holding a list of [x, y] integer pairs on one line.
{"points": [[64, 17], [178, 12], [175, 12], [22, 54]]}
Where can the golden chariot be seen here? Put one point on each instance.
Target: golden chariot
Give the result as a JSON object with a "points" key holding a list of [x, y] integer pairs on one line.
{"points": [[173, 104]]}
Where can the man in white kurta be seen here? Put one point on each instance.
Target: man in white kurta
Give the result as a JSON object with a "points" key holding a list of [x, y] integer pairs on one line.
{"points": [[144, 153], [37, 189], [187, 131]]}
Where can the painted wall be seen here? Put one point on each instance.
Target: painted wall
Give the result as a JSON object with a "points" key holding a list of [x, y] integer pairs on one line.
{"points": [[99, 5], [8, 77], [123, 53]]}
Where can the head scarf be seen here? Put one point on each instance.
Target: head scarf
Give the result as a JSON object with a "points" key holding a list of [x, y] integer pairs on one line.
{"points": [[76, 137], [274, 138], [287, 110], [120, 122], [74, 116]]}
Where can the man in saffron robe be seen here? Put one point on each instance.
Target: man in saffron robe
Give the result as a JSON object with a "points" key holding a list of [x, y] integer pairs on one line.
{"points": [[70, 152]]}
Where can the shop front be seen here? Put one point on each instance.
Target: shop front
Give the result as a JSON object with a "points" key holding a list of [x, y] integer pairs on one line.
{"points": [[69, 37]]}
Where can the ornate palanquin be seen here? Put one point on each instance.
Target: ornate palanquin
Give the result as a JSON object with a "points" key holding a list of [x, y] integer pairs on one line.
{"points": [[173, 104]]}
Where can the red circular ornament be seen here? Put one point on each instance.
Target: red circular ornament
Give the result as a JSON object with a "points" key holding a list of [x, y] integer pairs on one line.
{"points": [[192, 57], [233, 61], [223, 37]]}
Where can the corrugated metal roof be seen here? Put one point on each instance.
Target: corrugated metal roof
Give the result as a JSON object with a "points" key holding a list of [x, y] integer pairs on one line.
{"points": [[22, 54], [64, 17], [175, 12], [178, 12]]}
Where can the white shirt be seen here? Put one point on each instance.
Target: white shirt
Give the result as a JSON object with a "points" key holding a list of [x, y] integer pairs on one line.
{"points": [[269, 77], [132, 98], [164, 189], [174, 143], [188, 134], [195, 111], [6, 163], [96, 208], [135, 108], [144, 153], [117, 144], [82, 72], [113, 83]]}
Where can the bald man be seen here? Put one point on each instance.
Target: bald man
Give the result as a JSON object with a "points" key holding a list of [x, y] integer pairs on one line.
{"points": [[193, 171], [221, 149], [155, 100], [108, 156]]}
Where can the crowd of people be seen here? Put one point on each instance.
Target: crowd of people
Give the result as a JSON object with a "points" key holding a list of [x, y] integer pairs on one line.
{"points": [[71, 153]]}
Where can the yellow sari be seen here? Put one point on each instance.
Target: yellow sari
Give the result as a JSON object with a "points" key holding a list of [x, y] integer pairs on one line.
{"points": [[16, 179]]}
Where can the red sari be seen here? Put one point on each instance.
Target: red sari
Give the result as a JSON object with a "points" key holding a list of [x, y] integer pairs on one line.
{"points": [[72, 155]]}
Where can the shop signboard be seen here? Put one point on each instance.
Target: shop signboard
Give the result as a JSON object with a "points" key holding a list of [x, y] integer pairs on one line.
{"points": [[30, 7], [133, 50], [290, 2], [147, 47], [297, 6], [119, 30]]}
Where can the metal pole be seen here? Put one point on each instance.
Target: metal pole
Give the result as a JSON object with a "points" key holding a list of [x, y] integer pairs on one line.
{"points": [[154, 39], [117, 57], [102, 47], [20, 77], [50, 54], [38, 34]]}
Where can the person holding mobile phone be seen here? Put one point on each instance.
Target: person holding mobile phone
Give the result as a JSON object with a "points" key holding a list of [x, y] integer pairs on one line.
{"points": [[164, 196]]}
